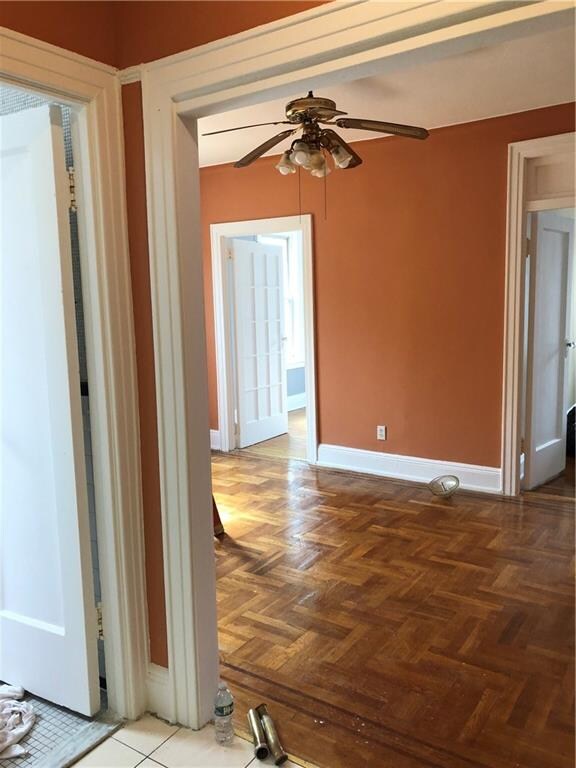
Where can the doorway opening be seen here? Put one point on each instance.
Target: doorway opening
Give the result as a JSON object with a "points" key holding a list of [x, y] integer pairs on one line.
{"points": [[49, 547], [549, 382], [264, 319], [541, 200]]}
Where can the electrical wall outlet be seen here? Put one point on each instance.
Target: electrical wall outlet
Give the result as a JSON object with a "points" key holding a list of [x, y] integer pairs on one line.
{"points": [[380, 433]]}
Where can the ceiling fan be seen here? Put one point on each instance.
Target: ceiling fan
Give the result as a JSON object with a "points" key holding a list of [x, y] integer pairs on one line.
{"points": [[308, 115]]}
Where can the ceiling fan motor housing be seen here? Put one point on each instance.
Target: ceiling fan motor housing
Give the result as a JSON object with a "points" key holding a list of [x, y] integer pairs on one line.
{"points": [[311, 108]]}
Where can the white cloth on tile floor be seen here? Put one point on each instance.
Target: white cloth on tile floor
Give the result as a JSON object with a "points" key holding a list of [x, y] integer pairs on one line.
{"points": [[16, 720], [11, 692]]}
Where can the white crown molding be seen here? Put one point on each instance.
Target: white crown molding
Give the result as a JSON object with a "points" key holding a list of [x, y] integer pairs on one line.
{"points": [[130, 74], [37, 47], [340, 41], [249, 35], [472, 477]]}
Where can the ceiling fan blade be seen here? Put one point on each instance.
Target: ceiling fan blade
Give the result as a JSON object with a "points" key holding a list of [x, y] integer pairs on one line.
{"points": [[259, 151], [241, 127], [409, 131], [330, 139]]}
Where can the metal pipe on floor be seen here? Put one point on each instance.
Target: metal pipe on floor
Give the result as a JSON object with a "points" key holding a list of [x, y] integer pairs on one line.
{"points": [[258, 737], [276, 748]]}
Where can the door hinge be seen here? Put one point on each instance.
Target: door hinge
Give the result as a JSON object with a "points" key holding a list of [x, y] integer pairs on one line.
{"points": [[72, 187], [99, 621]]}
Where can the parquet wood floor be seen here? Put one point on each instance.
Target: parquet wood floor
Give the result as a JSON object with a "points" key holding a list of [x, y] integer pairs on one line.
{"points": [[564, 485], [292, 445], [388, 628]]}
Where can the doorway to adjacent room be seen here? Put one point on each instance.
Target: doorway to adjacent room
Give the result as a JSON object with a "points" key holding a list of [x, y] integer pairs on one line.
{"points": [[264, 319], [549, 374], [539, 334]]}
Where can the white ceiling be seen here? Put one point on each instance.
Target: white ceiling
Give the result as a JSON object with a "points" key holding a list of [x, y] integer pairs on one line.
{"points": [[513, 76]]}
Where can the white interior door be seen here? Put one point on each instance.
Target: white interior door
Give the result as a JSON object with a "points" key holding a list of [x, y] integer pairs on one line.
{"points": [[259, 332], [48, 641], [551, 264]]}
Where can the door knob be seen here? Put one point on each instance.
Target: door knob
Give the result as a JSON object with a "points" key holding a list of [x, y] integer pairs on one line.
{"points": [[571, 344]]}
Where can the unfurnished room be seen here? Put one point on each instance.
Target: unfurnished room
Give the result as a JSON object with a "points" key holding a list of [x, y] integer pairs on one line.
{"points": [[288, 394]]}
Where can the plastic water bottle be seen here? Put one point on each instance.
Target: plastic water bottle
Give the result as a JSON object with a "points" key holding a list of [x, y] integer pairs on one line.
{"points": [[223, 712]]}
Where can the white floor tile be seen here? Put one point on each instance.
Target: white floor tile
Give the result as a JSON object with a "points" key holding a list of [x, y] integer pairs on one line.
{"points": [[149, 763], [146, 734], [198, 749], [269, 761], [110, 754]]}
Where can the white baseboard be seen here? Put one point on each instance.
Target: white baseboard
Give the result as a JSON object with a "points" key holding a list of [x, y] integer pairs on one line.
{"points": [[158, 691], [295, 402], [471, 476], [215, 439]]}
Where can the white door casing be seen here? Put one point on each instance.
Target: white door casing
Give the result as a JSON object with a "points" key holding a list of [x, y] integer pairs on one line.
{"points": [[223, 297], [551, 264], [92, 90], [527, 191], [259, 335], [47, 613]]}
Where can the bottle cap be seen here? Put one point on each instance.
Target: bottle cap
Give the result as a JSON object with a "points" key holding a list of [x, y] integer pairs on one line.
{"points": [[222, 685]]}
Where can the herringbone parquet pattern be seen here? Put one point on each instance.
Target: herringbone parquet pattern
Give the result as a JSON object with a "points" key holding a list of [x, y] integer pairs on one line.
{"points": [[389, 628]]}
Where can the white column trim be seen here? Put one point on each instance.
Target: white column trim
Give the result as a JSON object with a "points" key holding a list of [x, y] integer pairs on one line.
{"points": [[518, 155], [158, 688], [93, 91], [333, 43], [182, 405]]}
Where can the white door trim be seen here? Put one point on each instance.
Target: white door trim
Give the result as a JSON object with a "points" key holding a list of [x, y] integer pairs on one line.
{"points": [[222, 321], [331, 43], [519, 154], [92, 90]]}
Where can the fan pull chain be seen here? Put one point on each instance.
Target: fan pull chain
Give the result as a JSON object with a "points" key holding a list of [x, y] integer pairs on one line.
{"points": [[325, 192], [300, 194]]}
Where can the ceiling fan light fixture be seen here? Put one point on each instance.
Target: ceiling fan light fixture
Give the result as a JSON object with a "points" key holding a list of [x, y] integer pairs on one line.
{"points": [[341, 157], [300, 154], [319, 173], [316, 160], [308, 115], [318, 166], [285, 165]]}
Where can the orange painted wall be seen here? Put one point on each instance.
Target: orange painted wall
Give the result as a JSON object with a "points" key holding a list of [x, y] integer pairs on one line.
{"points": [[88, 28], [151, 30], [125, 33], [140, 273], [409, 271]]}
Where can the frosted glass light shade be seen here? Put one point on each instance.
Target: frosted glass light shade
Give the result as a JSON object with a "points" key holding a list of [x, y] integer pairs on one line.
{"points": [[300, 154], [285, 165], [341, 157]]}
